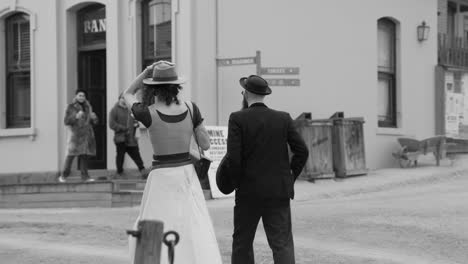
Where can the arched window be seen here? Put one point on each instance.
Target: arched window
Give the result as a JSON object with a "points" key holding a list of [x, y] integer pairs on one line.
{"points": [[156, 31], [386, 70], [18, 71]]}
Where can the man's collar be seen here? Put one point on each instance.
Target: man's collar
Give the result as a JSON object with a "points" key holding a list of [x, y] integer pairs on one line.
{"points": [[258, 105]]}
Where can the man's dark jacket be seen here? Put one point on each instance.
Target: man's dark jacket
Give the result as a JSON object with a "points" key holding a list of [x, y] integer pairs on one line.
{"points": [[258, 140]]}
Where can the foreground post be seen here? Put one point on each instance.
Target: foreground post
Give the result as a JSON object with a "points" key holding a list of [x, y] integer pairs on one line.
{"points": [[441, 150], [149, 239]]}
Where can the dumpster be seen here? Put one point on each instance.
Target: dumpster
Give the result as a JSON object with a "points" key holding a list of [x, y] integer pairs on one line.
{"points": [[317, 135], [348, 147]]}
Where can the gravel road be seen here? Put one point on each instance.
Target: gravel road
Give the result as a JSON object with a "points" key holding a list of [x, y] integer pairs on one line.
{"points": [[393, 219]]}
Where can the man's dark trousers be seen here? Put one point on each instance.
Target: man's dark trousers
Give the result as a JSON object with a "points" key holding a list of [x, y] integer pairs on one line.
{"points": [[133, 152], [276, 218]]}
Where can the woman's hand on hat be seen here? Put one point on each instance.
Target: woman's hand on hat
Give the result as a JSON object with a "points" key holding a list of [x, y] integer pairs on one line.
{"points": [[151, 67], [149, 71]]}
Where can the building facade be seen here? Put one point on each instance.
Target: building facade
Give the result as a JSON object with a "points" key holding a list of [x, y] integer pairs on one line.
{"points": [[452, 69], [319, 56]]}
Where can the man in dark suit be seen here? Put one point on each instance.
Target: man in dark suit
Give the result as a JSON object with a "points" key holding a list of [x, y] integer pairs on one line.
{"points": [[257, 152]]}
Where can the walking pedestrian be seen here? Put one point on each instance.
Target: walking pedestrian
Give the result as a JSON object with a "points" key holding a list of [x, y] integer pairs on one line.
{"points": [[173, 193], [125, 126], [257, 154], [79, 119]]}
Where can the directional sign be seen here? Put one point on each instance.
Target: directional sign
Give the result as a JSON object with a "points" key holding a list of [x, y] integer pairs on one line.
{"points": [[237, 61], [279, 70], [284, 82]]}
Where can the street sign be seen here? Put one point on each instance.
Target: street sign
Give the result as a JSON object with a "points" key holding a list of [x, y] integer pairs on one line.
{"points": [[237, 61], [279, 70], [284, 82]]}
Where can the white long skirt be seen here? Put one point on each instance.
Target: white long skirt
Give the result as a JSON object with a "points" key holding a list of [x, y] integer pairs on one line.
{"points": [[174, 196]]}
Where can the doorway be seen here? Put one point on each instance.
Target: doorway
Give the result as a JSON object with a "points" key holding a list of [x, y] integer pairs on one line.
{"points": [[91, 37], [92, 78]]}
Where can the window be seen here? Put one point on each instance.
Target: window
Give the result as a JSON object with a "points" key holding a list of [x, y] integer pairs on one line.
{"points": [[18, 71], [156, 31], [386, 73]]}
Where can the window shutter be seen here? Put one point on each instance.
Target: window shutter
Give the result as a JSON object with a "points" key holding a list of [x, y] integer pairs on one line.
{"points": [[20, 41], [25, 44]]}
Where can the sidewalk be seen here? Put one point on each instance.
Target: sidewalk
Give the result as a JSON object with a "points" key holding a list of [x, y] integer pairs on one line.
{"points": [[384, 179]]}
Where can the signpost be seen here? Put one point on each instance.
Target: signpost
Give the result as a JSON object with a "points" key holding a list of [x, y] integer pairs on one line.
{"points": [[265, 70], [283, 82], [287, 77], [237, 61], [279, 70]]}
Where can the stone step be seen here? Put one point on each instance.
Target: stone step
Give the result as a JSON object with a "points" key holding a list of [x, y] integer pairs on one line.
{"points": [[56, 204], [118, 193], [69, 187], [50, 177], [56, 200], [126, 198], [124, 185]]}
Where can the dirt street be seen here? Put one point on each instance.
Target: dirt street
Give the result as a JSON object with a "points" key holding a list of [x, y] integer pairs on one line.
{"points": [[423, 221]]}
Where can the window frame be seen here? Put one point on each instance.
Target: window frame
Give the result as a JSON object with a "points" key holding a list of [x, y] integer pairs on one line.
{"points": [[29, 131], [389, 74], [17, 72]]}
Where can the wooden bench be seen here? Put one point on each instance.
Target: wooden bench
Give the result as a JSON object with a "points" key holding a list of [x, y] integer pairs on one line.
{"points": [[411, 148]]}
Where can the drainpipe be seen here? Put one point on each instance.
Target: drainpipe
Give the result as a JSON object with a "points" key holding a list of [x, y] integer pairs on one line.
{"points": [[33, 21], [218, 91], [175, 25], [131, 18]]}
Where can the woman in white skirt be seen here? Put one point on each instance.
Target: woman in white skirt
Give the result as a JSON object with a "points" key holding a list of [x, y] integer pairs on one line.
{"points": [[173, 193]]}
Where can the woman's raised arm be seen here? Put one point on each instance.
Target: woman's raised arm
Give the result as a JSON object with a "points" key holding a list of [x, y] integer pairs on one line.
{"points": [[129, 93]]}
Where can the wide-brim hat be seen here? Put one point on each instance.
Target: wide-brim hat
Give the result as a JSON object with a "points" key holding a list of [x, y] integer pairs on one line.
{"points": [[255, 84], [164, 72]]}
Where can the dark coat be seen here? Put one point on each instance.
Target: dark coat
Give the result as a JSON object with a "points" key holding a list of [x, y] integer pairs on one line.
{"points": [[123, 124], [81, 139], [257, 152]]}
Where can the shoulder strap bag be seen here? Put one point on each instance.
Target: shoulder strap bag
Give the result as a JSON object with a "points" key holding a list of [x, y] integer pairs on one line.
{"points": [[203, 164]]}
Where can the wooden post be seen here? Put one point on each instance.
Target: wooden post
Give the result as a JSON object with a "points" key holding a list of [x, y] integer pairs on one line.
{"points": [[440, 149], [149, 240]]}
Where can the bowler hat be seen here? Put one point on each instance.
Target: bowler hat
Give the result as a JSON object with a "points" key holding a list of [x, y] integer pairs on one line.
{"points": [[255, 84], [164, 73]]}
